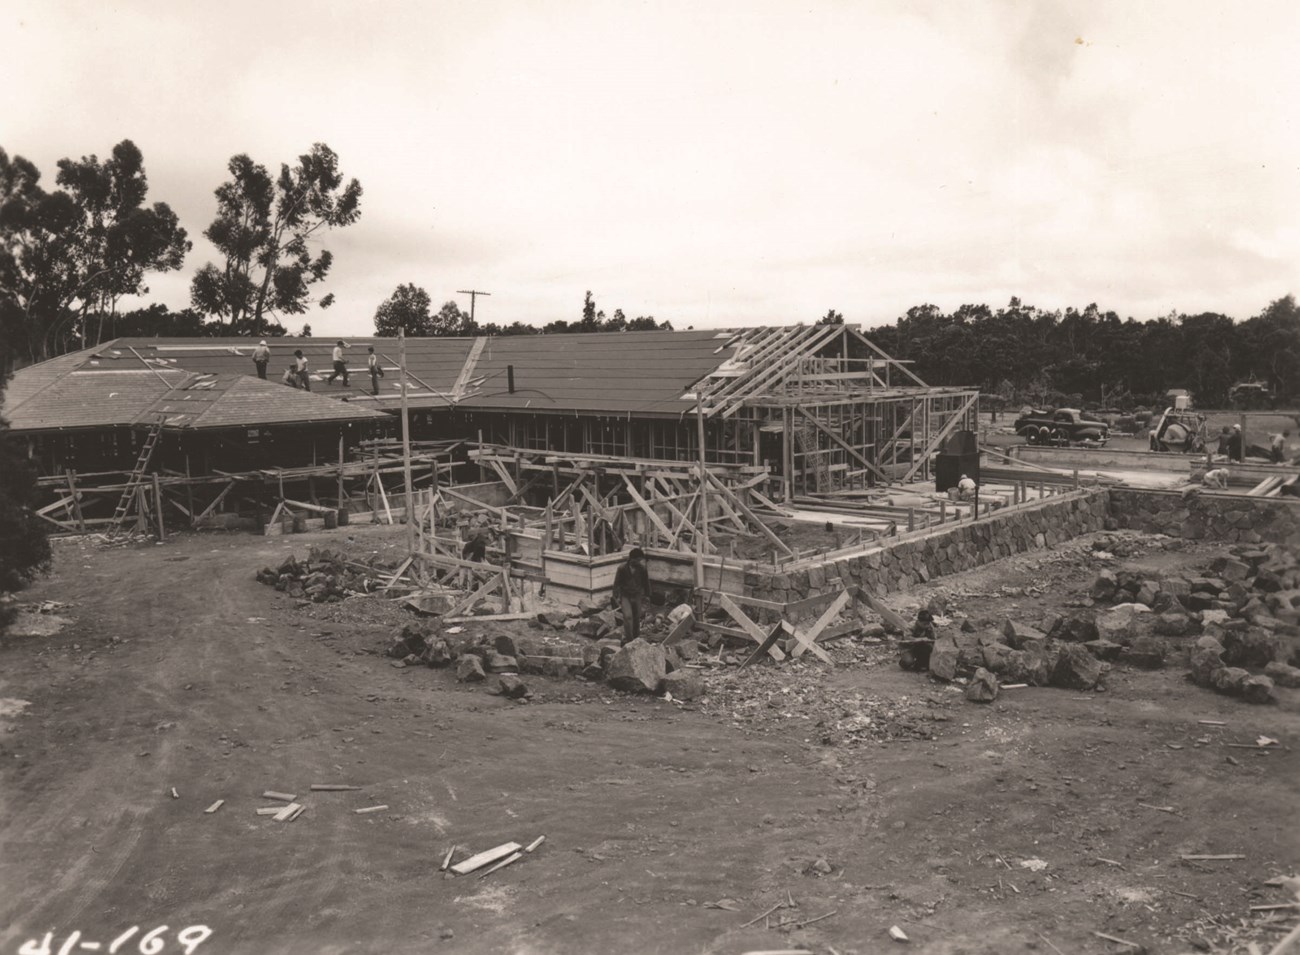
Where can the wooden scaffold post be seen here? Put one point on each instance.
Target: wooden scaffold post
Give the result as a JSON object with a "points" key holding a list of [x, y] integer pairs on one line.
{"points": [[406, 444]]}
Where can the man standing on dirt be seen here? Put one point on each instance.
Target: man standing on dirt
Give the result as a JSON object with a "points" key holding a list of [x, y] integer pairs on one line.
{"points": [[300, 366], [1277, 446], [1225, 440], [261, 358], [340, 365], [631, 587], [1235, 451]]}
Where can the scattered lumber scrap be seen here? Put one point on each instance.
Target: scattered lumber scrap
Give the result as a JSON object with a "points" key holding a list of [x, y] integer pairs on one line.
{"points": [[487, 857]]}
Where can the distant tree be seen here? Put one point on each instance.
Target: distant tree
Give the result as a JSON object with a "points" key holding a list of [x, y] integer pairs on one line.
{"points": [[647, 323], [589, 322], [450, 320], [1271, 349], [26, 551], [67, 257], [262, 229], [159, 321], [407, 309], [831, 317]]}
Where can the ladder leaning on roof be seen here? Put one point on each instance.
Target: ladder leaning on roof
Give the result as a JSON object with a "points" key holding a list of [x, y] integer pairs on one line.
{"points": [[136, 478]]}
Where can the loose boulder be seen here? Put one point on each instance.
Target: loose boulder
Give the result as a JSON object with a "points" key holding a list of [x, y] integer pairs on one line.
{"points": [[1148, 652], [1283, 674], [511, 687], [684, 685], [470, 670], [944, 660], [983, 687], [638, 667], [1076, 669], [1257, 689]]}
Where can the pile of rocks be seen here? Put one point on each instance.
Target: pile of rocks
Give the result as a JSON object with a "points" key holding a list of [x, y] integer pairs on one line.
{"points": [[1244, 613], [1255, 625], [1055, 654], [325, 576], [638, 667]]}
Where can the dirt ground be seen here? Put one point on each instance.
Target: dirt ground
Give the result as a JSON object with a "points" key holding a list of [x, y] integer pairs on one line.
{"points": [[1023, 826]]}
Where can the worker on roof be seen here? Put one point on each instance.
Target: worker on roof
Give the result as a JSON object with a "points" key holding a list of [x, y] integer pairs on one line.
{"points": [[631, 587], [290, 377], [340, 365], [261, 358], [376, 371], [300, 365]]}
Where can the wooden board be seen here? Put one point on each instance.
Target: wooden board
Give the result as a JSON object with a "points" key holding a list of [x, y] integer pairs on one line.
{"points": [[485, 858]]}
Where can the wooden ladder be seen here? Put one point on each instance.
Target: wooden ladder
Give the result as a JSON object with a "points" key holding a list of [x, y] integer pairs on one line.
{"points": [[136, 478]]}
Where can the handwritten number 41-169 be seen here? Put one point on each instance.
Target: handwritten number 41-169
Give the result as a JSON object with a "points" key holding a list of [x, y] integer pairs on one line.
{"points": [[151, 943]]}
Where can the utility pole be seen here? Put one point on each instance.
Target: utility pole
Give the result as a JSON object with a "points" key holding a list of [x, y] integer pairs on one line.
{"points": [[473, 297]]}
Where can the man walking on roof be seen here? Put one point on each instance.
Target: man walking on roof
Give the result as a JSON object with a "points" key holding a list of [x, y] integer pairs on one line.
{"points": [[304, 381], [261, 358], [376, 372], [340, 366]]}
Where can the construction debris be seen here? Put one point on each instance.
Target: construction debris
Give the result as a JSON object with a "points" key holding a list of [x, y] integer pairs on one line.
{"points": [[475, 862], [215, 806], [325, 576]]}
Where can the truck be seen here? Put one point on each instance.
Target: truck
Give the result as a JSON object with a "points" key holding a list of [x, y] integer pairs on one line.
{"points": [[1064, 426], [1250, 395]]}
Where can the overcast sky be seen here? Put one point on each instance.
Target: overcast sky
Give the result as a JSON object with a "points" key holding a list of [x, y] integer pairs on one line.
{"points": [[712, 163]]}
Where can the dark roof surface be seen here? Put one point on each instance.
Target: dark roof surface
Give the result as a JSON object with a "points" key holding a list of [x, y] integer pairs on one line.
{"points": [[614, 373], [74, 391]]}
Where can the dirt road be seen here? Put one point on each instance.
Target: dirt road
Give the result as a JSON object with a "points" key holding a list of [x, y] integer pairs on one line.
{"points": [[1024, 825]]}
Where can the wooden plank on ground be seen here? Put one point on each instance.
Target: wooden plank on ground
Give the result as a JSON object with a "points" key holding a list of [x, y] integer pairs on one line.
{"points": [[485, 858]]}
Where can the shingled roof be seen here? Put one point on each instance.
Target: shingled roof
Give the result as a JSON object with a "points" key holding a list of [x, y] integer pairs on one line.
{"points": [[79, 391], [613, 373]]}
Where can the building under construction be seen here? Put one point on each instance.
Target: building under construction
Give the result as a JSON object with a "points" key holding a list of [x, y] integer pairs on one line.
{"points": [[820, 407]]}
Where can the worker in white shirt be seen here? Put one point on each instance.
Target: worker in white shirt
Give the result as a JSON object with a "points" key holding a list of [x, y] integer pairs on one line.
{"points": [[965, 489], [1216, 478], [340, 366], [376, 370]]}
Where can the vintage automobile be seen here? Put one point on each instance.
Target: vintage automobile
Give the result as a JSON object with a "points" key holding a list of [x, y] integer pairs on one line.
{"points": [[1250, 395], [1063, 426]]}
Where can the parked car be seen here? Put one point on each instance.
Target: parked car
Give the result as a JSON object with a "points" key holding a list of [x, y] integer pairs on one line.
{"points": [[1250, 395], [1063, 426]]}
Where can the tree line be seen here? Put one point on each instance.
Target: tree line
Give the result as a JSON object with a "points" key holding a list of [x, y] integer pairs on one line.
{"points": [[1076, 356], [408, 310]]}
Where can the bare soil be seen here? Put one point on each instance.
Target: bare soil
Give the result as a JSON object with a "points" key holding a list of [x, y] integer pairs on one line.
{"points": [[866, 792]]}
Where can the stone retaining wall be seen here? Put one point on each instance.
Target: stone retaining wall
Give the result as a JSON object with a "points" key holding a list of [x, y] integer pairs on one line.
{"points": [[899, 565], [1213, 517]]}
